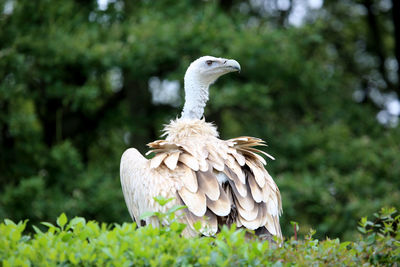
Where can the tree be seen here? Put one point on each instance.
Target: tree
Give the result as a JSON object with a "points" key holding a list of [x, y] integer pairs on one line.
{"points": [[74, 95]]}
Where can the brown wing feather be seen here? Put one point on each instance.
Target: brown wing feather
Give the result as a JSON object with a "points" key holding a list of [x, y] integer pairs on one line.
{"points": [[196, 202], [228, 192], [257, 222], [246, 202], [208, 184], [257, 171], [222, 206], [267, 193], [204, 166], [248, 215], [238, 156], [189, 178], [216, 164], [163, 145], [242, 188], [236, 168], [255, 150], [270, 224], [222, 150], [252, 225], [277, 226], [172, 160], [269, 180], [156, 161], [255, 190], [255, 157], [189, 161], [213, 156]]}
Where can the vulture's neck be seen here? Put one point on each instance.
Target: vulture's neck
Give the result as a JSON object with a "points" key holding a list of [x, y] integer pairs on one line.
{"points": [[196, 96]]}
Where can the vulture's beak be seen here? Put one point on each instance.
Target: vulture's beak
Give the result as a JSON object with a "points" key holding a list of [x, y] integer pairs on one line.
{"points": [[233, 65]]}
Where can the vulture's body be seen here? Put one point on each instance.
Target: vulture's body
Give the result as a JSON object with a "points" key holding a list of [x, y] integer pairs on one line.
{"points": [[220, 181]]}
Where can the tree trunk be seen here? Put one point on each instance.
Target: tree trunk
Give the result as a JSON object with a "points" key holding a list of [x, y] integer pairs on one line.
{"points": [[376, 41], [396, 24], [139, 98]]}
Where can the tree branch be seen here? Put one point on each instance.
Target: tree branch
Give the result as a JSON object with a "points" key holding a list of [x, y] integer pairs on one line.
{"points": [[376, 40], [396, 24]]}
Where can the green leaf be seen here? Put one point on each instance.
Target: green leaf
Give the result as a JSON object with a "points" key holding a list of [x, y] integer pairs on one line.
{"points": [[295, 225], [197, 225], [49, 225], [25, 238], [361, 229], [176, 208], [223, 247], [36, 229], [72, 258], [66, 237], [162, 200], [62, 220], [9, 222], [147, 214], [345, 244], [15, 235], [77, 220]]}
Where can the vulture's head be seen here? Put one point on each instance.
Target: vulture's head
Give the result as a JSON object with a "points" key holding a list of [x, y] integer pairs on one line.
{"points": [[199, 76], [208, 69]]}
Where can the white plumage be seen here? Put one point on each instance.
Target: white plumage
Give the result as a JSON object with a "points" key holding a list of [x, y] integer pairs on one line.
{"points": [[220, 181]]}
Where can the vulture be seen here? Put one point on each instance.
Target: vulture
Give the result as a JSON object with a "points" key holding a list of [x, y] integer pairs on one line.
{"points": [[220, 182]]}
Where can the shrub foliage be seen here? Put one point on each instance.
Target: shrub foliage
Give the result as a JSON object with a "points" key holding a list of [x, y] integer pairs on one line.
{"points": [[78, 242], [74, 94]]}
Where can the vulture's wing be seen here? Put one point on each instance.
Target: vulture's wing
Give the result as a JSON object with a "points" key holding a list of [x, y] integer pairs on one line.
{"points": [[223, 181], [140, 184]]}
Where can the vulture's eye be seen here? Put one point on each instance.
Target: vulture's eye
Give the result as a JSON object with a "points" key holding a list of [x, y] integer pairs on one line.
{"points": [[209, 62]]}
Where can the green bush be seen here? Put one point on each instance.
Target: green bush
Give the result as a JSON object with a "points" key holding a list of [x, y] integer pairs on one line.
{"points": [[78, 242], [66, 117]]}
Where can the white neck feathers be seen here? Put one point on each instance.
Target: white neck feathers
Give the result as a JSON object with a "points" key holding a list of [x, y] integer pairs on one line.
{"points": [[196, 96]]}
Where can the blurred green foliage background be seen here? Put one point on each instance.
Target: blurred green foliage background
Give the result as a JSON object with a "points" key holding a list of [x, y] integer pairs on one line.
{"points": [[74, 94]]}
